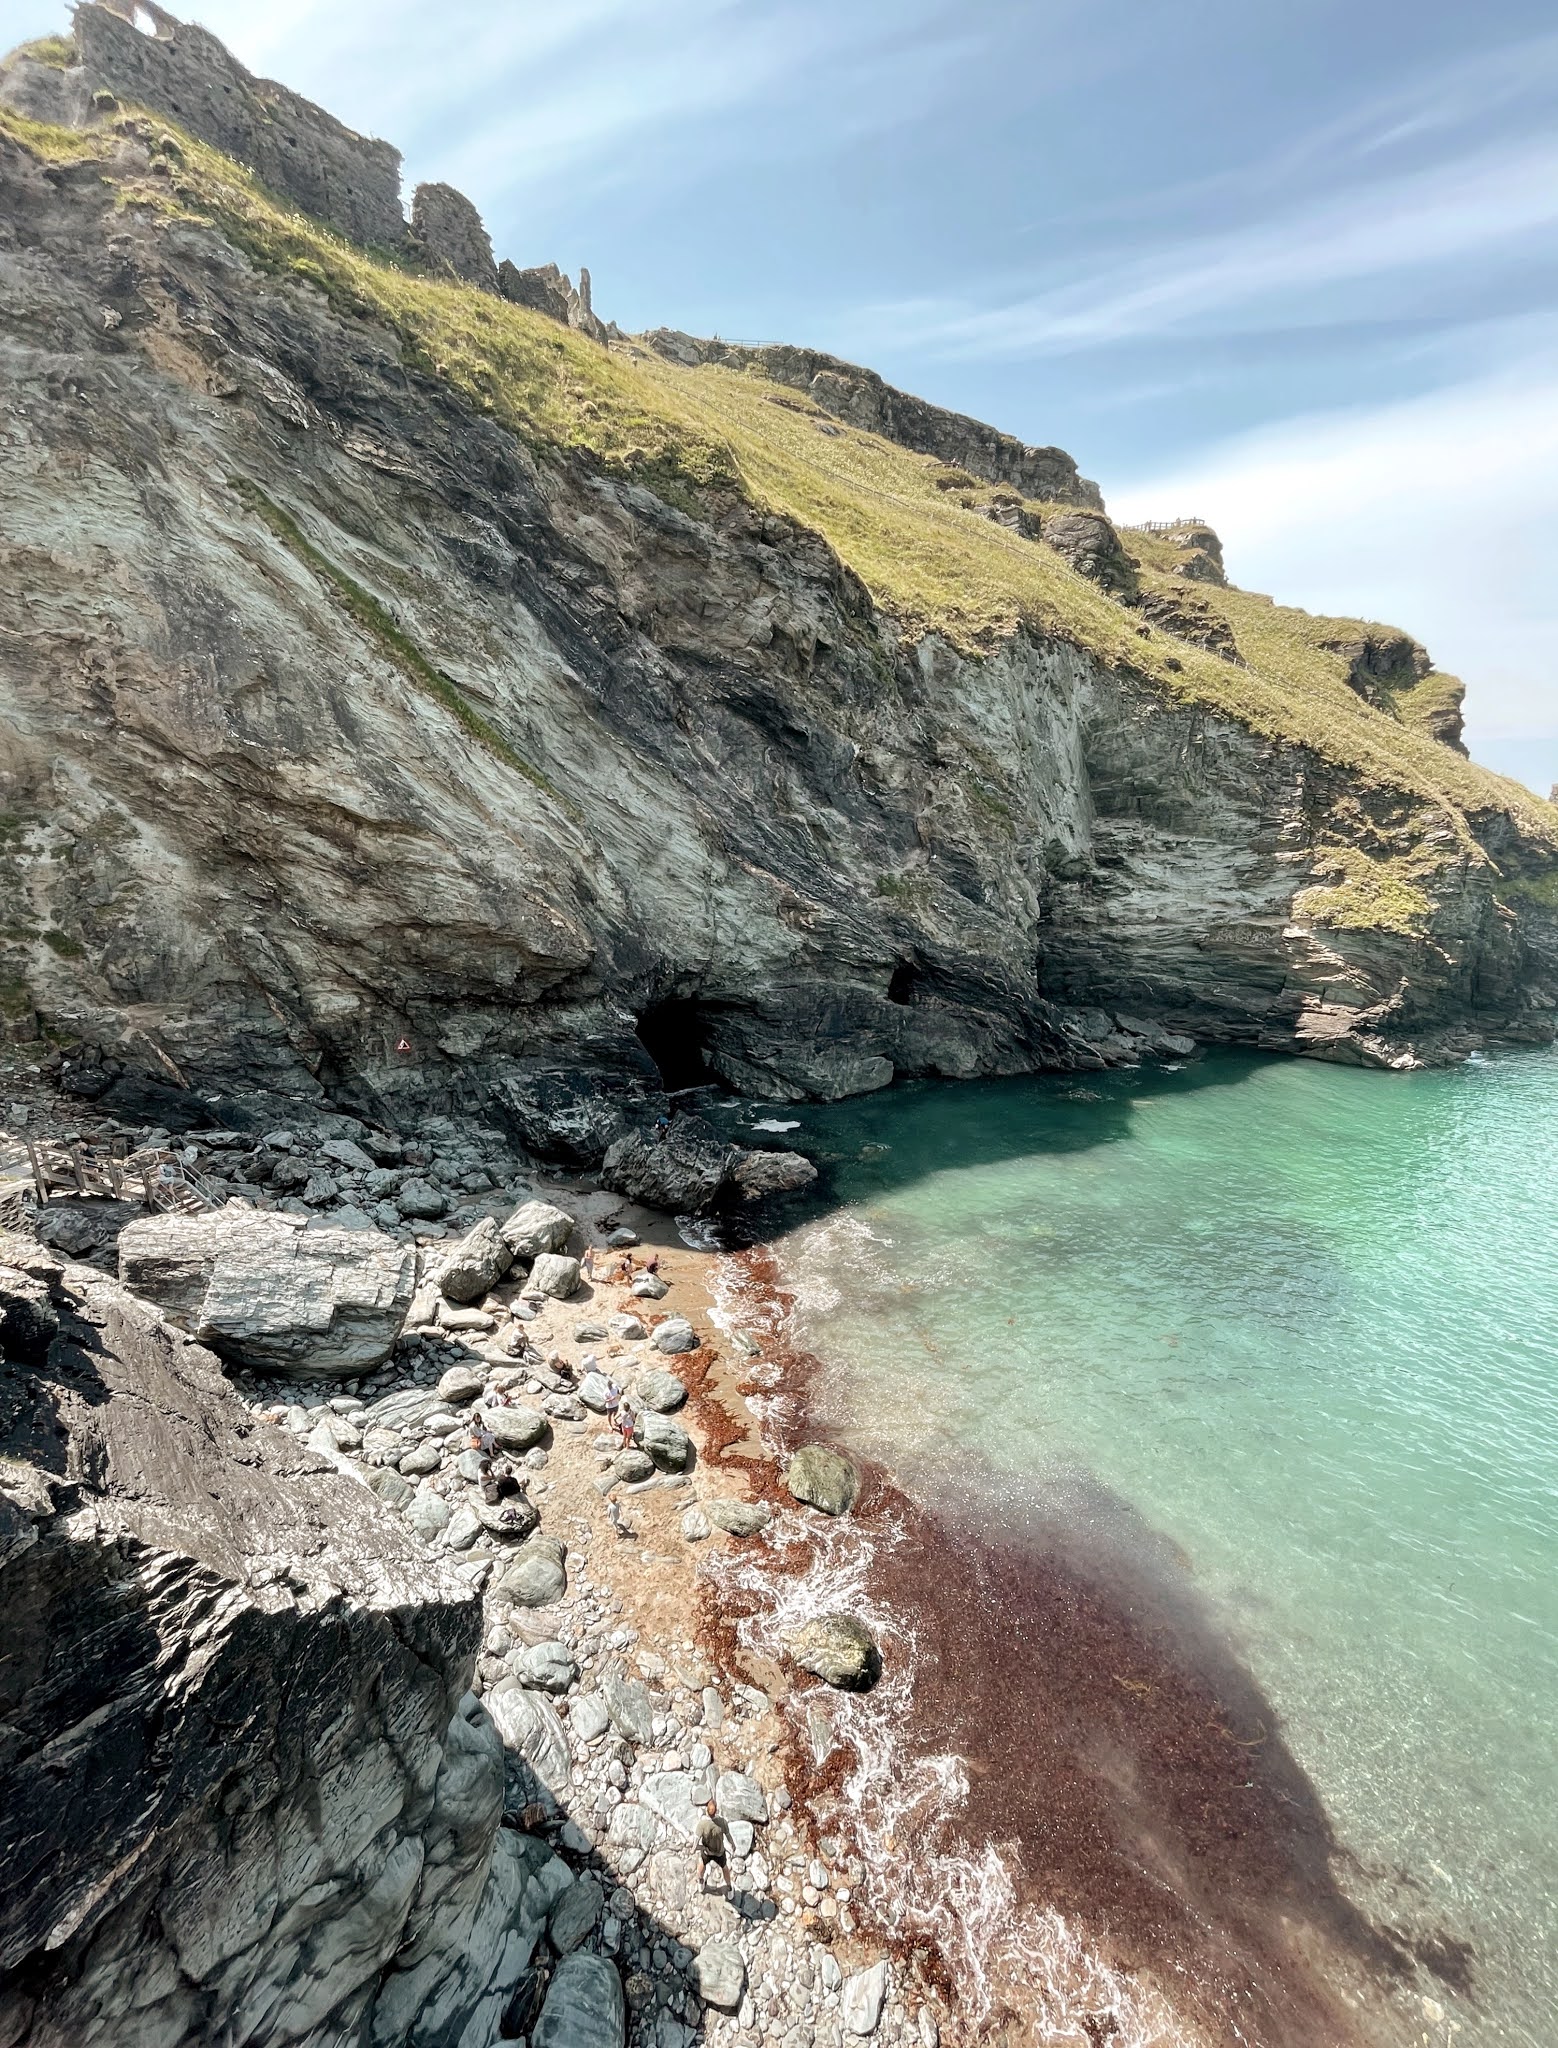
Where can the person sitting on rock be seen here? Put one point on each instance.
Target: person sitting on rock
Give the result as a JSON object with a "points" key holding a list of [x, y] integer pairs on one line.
{"points": [[483, 1440]]}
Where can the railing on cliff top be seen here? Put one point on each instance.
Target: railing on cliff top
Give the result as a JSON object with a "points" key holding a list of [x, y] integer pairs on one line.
{"points": [[1165, 525]]}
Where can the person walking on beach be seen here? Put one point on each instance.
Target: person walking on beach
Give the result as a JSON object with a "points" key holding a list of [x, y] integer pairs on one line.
{"points": [[627, 1422], [711, 1840], [587, 1263]]}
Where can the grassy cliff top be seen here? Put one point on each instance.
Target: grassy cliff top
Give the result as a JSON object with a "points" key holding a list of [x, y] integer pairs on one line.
{"points": [[916, 535]]}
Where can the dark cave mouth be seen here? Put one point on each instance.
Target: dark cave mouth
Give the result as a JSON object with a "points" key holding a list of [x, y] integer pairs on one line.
{"points": [[675, 1035]]}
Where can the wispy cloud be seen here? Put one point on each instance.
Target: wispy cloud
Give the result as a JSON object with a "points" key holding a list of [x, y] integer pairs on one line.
{"points": [[1490, 204], [1439, 514]]}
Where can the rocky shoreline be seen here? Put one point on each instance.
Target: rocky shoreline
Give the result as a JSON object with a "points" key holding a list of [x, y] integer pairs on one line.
{"points": [[646, 1754]]}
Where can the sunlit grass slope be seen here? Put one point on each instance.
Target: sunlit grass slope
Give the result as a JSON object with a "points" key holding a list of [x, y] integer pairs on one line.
{"points": [[927, 553]]}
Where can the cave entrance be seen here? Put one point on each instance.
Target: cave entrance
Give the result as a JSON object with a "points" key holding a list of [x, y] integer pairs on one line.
{"points": [[905, 982], [674, 1034]]}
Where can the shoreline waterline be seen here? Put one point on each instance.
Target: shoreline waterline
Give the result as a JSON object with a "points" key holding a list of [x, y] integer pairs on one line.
{"points": [[1268, 1299]]}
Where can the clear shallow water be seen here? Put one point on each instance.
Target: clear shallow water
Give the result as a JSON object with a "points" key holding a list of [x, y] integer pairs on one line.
{"points": [[1305, 1321]]}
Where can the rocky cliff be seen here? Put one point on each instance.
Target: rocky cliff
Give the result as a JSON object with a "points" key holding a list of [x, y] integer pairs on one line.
{"points": [[245, 1794], [409, 699]]}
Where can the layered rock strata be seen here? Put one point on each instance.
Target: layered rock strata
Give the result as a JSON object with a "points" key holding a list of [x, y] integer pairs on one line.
{"points": [[250, 1689], [352, 748]]}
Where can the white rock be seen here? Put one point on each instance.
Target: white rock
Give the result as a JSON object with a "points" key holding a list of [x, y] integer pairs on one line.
{"points": [[265, 1293], [863, 1996], [675, 1334], [555, 1275]]}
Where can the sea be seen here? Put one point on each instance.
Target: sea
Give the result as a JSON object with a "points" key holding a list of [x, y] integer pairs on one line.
{"points": [[1209, 1419]]}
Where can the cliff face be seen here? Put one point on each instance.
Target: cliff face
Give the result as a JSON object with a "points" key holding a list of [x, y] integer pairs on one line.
{"points": [[244, 1793], [363, 734]]}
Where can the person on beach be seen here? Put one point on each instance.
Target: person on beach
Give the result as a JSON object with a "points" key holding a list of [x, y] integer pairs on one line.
{"points": [[712, 1843], [587, 1263], [627, 1422], [625, 1273], [618, 1520], [483, 1440], [652, 1263]]}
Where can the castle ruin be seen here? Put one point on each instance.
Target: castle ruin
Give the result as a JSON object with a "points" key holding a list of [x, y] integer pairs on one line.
{"points": [[136, 52]]}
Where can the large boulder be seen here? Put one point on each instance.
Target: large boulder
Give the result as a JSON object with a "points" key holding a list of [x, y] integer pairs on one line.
{"points": [[243, 1788], [267, 1292], [822, 1479], [555, 1275], [666, 1441], [516, 1429], [532, 1728], [584, 2006], [478, 1262], [688, 1166], [537, 1227], [838, 1648], [536, 1575]]}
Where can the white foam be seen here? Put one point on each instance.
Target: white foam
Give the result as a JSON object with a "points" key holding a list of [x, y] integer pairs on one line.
{"points": [[920, 1880]]}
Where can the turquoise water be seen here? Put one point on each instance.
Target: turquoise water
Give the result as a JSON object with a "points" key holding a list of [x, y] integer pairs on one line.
{"points": [[1304, 1319]]}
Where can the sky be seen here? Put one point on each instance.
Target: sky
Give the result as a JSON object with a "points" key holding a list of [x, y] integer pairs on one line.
{"points": [[1288, 265]]}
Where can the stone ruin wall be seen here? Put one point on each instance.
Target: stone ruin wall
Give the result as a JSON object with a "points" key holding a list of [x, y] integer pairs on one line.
{"points": [[348, 181]]}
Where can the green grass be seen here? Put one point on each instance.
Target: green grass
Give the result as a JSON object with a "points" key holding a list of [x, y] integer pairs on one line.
{"points": [[59, 52], [368, 613], [911, 529], [63, 944], [1370, 894]]}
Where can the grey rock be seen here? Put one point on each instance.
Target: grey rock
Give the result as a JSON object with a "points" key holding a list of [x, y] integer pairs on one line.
{"points": [[587, 1716], [423, 1459], [738, 1517], [320, 1188], [626, 1329], [511, 1520], [595, 1392], [739, 1797], [721, 1975], [584, 2006], [394, 1491], [590, 1333], [620, 1238], [464, 1528], [537, 1227], [420, 1198], [214, 1577], [632, 1712], [667, 1443], [650, 1287], [266, 1294], [822, 1479], [838, 1648], [576, 1913], [344, 1153], [429, 1515], [549, 1667], [536, 1576], [679, 1797], [529, 1725], [631, 1466], [407, 1408], [452, 236], [554, 1274], [459, 1385], [475, 1264], [516, 1429], [696, 1526], [862, 1997], [631, 1826], [662, 1391], [691, 1167], [675, 1334]]}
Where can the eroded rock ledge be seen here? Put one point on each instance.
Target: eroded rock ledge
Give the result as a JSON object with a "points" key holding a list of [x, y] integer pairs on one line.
{"points": [[249, 1688]]}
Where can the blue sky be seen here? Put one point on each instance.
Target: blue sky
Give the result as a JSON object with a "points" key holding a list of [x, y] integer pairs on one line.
{"points": [[1290, 265]]}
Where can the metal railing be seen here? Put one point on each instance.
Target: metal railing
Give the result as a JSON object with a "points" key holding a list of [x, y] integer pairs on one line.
{"points": [[1165, 525], [154, 1176]]}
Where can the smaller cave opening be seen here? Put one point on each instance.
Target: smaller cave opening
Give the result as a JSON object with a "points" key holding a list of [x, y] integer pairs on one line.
{"points": [[674, 1034], [905, 983]]}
